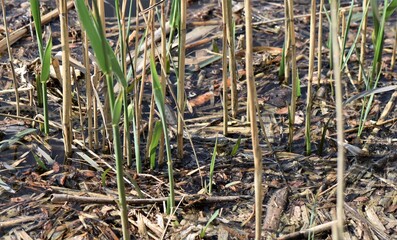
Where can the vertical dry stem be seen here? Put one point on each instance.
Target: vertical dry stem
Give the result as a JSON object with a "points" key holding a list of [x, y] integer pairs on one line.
{"points": [[339, 121], [363, 42], [224, 67], [310, 73], [254, 129], [66, 83], [320, 42], [10, 56], [181, 77]]}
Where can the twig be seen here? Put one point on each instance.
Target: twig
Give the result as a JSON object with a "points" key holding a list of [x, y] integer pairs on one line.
{"points": [[304, 233], [18, 221], [60, 198], [19, 33]]}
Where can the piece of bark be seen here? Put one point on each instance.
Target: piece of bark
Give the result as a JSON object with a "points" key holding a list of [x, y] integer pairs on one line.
{"points": [[275, 208]]}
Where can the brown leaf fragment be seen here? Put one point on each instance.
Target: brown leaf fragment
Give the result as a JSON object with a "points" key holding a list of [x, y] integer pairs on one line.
{"points": [[275, 208], [202, 99]]}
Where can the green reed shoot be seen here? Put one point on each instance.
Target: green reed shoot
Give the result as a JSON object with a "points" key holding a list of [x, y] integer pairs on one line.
{"points": [[154, 143], [212, 218], [378, 40], [212, 166], [159, 99], [123, 64], [45, 59], [109, 65]]}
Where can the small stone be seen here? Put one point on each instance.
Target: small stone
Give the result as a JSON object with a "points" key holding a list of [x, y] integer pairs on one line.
{"points": [[25, 5]]}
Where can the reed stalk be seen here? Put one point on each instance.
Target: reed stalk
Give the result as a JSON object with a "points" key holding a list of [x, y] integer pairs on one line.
{"points": [[66, 82], [252, 112], [320, 42], [14, 80], [123, 63], [45, 59], [309, 98], [110, 66], [336, 59], [224, 66], [291, 52], [363, 42], [88, 89], [232, 57], [163, 74], [181, 77]]}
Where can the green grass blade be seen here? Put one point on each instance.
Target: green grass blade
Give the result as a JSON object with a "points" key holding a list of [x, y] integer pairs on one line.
{"points": [[236, 147], [104, 175], [154, 143], [94, 34], [213, 217], [212, 166], [35, 8], [159, 100], [391, 8], [118, 106], [45, 68]]}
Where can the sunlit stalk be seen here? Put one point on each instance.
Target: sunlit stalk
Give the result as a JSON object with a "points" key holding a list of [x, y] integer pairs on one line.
{"points": [[339, 122], [66, 82], [254, 129]]}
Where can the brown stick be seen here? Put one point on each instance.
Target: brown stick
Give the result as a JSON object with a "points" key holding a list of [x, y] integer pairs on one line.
{"points": [[304, 233], [20, 220], [61, 198], [19, 33]]}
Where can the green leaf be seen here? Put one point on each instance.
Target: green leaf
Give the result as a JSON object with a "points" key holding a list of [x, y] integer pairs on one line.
{"points": [[40, 162], [212, 166], [103, 176], [130, 112], [46, 64], [35, 8], [16, 138], [213, 217], [118, 106], [154, 143], [391, 8], [115, 66], [94, 34], [235, 147]]}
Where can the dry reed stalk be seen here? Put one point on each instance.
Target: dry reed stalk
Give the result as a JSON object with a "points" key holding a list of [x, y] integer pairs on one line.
{"points": [[363, 42], [309, 98], [19, 33], [107, 113], [336, 58], [224, 66], [294, 71], [320, 42], [66, 81], [181, 78], [232, 58], [252, 112], [152, 103], [393, 56], [94, 83], [10, 56]]}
